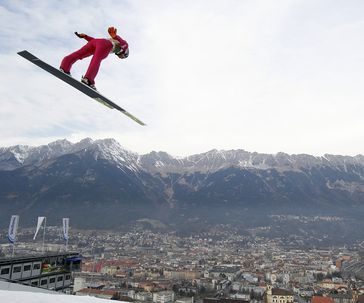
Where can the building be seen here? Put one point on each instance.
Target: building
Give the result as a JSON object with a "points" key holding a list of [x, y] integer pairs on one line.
{"points": [[319, 299], [143, 296], [163, 296], [277, 295], [360, 299], [181, 274], [342, 298], [224, 271], [51, 271], [223, 300]]}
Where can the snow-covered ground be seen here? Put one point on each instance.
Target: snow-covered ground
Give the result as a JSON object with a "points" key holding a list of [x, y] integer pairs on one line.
{"points": [[7, 296]]}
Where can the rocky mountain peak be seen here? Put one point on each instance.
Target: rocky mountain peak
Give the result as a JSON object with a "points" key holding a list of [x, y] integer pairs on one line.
{"points": [[161, 162], [94, 179]]}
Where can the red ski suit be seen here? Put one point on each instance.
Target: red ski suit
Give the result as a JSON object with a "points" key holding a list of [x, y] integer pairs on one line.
{"points": [[100, 48]]}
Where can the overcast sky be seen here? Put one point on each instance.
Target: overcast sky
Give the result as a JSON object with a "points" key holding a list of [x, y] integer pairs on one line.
{"points": [[263, 76]]}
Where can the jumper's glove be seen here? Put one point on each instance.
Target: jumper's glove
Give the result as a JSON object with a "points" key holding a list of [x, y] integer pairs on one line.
{"points": [[112, 31], [80, 35]]}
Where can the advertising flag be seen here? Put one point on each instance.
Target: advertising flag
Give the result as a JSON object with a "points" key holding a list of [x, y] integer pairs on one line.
{"points": [[39, 224], [66, 222], [13, 226]]}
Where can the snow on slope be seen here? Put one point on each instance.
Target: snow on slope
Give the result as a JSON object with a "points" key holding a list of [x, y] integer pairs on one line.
{"points": [[15, 157], [31, 297]]}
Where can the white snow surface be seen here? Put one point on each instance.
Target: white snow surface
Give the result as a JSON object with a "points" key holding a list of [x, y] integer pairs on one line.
{"points": [[7, 296]]}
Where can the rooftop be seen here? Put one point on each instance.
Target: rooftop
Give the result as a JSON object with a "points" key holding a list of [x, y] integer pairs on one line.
{"points": [[317, 299]]}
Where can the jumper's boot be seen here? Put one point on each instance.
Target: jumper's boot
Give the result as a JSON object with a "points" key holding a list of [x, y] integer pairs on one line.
{"points": [[88, 83], [62, 70]]}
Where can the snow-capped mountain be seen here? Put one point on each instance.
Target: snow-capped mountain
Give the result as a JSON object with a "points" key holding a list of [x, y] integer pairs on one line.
{"points": [[17, 156], [101, 184], [215, 160]]}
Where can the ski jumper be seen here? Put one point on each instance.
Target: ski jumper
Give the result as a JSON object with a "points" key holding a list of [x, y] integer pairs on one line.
{"points": [[100, 48]]}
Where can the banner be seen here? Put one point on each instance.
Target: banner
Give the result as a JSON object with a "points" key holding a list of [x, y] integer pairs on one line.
{"points": [[13, 226], [39, 224], [66, 222]]}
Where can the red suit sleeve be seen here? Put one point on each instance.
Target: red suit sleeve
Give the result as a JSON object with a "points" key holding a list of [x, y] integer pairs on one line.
{"points": [[124, 45], [88, 38]]}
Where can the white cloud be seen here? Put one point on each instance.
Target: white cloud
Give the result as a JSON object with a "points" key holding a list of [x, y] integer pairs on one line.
{"points": [[266, 76]]}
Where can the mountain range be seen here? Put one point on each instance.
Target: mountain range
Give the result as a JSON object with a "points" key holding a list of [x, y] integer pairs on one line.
{"points": [[99, 184]]}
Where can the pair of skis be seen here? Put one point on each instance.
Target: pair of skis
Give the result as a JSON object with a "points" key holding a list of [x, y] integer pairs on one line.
{"points": [[77, 84]]}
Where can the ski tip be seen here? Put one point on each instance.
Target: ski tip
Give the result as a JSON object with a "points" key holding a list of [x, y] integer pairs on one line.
{"points": [[139, 122], [134, 118]]}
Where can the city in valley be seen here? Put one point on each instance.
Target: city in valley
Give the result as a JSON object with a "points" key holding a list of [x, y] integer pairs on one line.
{"points": [[218, 265]]}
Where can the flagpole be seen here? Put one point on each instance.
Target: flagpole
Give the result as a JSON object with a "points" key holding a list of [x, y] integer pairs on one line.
{"points": [[44, 228]]}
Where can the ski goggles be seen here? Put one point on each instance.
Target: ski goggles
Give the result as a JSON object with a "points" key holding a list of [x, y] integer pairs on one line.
{"points": [[123, 53]]}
